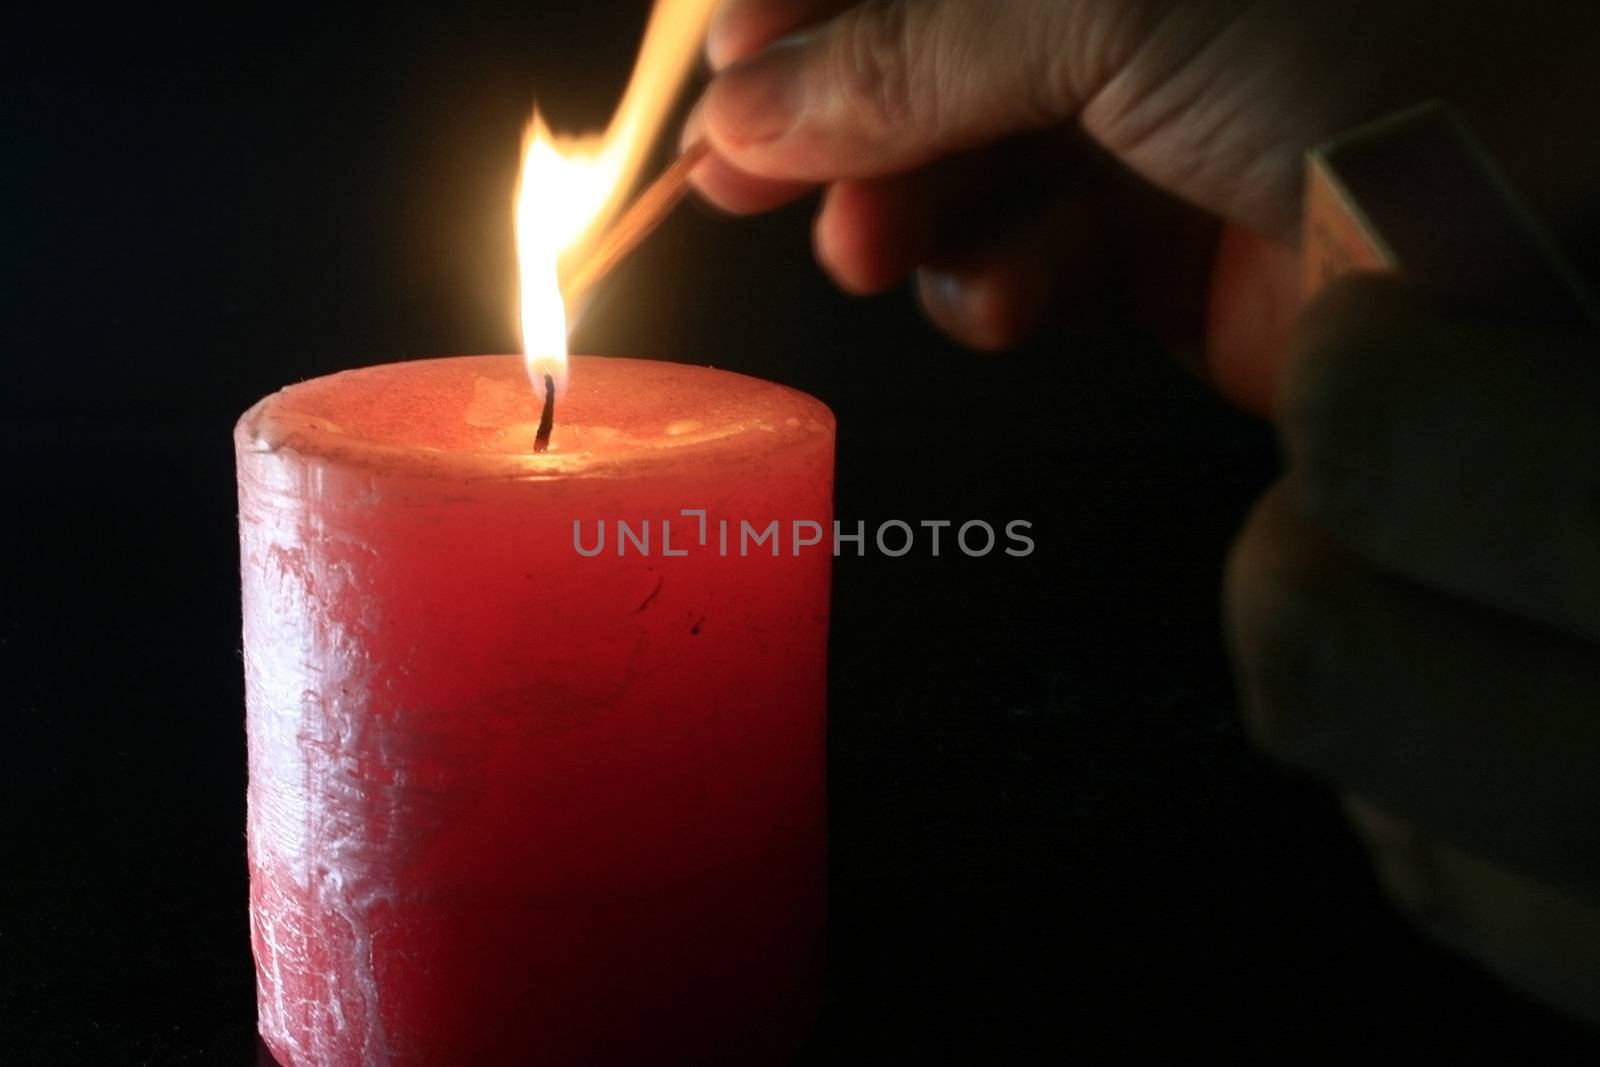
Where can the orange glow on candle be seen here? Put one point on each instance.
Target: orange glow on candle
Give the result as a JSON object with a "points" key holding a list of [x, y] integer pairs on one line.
{"points": [[571, 187]]}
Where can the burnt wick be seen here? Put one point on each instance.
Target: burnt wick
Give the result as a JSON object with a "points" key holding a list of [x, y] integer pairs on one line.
{"points": [[547, 420]]}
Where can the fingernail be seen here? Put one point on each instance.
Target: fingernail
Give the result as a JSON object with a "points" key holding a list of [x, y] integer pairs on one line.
{"points": [[758, 100], [694, 127], [942, 294]]}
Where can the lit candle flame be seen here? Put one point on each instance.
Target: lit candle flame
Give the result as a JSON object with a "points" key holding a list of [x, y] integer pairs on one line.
{"points": [[571, 187]]}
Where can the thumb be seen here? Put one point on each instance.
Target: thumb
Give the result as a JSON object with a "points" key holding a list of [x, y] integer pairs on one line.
{"points": [[892, 84]]}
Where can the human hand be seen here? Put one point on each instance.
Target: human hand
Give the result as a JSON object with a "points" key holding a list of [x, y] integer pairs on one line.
{"points": [[910, 112], [1415, 617], [1414, 610]]}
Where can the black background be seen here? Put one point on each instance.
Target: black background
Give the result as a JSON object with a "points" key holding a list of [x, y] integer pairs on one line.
{"points": [[1049, 834]]}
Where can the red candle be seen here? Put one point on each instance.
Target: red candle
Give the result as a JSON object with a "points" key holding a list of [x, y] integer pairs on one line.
{"points": [[511, 799]]}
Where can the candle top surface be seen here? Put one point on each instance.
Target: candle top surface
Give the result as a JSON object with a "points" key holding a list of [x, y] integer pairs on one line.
{"points": [[476, 416]]}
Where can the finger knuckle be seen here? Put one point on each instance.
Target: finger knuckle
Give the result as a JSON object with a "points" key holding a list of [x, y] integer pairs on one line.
{"points": [[1075, 52], [874, 62]]}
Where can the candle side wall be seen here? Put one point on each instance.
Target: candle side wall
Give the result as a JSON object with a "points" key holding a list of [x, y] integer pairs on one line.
{"points": [[508, 802]]}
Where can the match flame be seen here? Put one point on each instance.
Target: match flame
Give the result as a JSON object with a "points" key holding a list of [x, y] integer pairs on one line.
{"points": [[571, 187]]}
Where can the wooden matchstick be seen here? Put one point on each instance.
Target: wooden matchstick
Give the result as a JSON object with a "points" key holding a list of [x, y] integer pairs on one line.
{"points": [[641, 217]]}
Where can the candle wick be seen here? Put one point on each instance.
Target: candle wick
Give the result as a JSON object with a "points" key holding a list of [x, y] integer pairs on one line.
{"points": [[547, 419]]}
